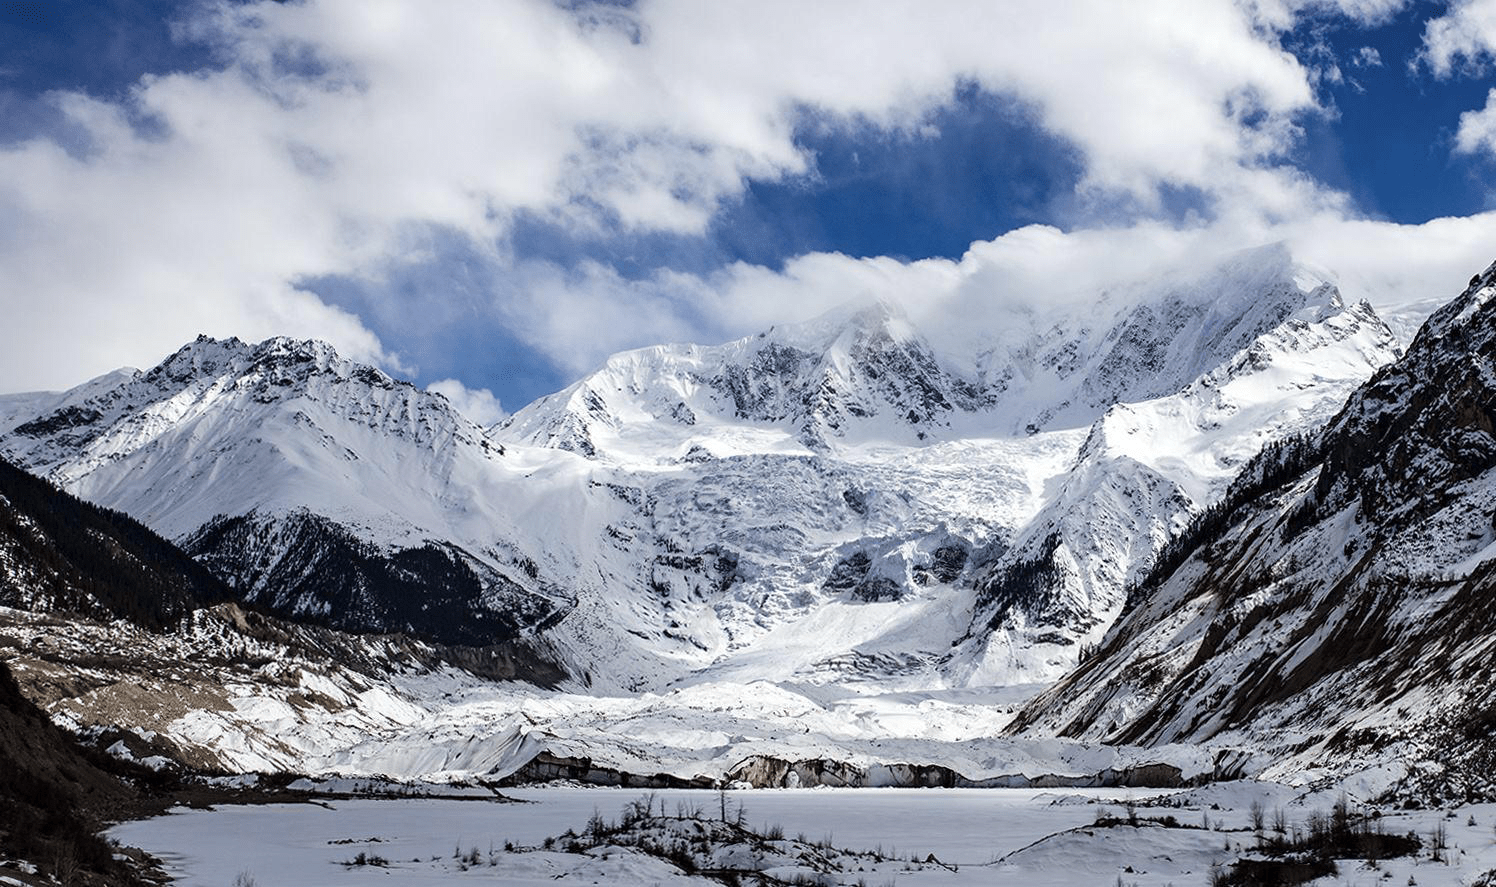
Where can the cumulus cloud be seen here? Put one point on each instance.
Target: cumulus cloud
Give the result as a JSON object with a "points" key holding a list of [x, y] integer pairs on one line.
{"points": [[1461, 39], [1477, 130], [478, 404], [335, 134]]}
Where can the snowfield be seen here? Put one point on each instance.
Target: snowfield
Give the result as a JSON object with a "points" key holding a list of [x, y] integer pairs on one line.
{"points": [[999, 836]]}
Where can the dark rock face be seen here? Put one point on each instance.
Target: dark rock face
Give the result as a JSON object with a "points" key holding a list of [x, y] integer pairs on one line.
{"points": [[754, 389], [307, 568], [880, 373], [62, 420], [848, 572], [948, 562], [852, 574], [546, 767], [1137, 350], [1423, 424], [762, 771], [878, 588], [944, 567]]}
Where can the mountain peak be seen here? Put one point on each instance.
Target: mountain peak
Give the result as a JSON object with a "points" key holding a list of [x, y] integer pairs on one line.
{"points": [[281, 361], [253, 401], [861, 365], [865, 371], [854, 320]]}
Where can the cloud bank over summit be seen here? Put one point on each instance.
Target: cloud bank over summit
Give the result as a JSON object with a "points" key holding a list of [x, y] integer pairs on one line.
{"points": [[357, 171]]}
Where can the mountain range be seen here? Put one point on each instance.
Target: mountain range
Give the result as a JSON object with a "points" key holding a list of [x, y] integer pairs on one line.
{"points": [[707, 511], [1217, 510]]}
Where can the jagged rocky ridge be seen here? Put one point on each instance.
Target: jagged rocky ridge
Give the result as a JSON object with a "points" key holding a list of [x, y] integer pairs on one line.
{"points": [[1339, 612], [864, 372]]}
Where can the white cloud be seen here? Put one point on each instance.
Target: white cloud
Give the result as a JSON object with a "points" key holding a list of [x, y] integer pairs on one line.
{"points": [[1281, 14], [1461, 39], [1477, 132], [1393, 265], [581, 318], [1367, 57], [339, 130], [478, 404]]}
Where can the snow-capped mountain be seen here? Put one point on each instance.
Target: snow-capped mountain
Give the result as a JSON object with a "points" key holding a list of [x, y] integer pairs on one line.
{"points": [[1146, 468], [319, 487], [816, 383], [865, 373], [1338, 607], [837, 500], [1055, 522]]}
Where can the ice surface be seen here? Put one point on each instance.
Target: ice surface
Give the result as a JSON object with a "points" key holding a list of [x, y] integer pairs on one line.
{"points": [[988, 836]]}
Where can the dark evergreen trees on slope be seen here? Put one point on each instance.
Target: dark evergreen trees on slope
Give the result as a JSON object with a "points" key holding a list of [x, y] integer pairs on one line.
{"points": [[58, 552], [1277, 464]]}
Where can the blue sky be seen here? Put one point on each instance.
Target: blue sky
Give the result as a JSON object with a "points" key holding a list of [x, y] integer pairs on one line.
{"points": [[498, 193], [1389, 142]]}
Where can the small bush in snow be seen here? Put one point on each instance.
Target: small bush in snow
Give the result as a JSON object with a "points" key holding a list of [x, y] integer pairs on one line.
{"points": [[363, 859]]}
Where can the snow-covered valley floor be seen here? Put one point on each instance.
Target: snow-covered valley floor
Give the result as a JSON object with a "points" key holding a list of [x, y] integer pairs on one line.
{"points": [[997, 836]]}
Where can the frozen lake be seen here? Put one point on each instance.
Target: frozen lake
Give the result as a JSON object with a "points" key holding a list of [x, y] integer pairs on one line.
{"points": [[284, 844], [967, 829]]}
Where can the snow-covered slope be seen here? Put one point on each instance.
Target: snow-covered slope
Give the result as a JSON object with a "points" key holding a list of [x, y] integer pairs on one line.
{"points": [[840, 500], [1339, 610], [151, 673], [1146, 468]]}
